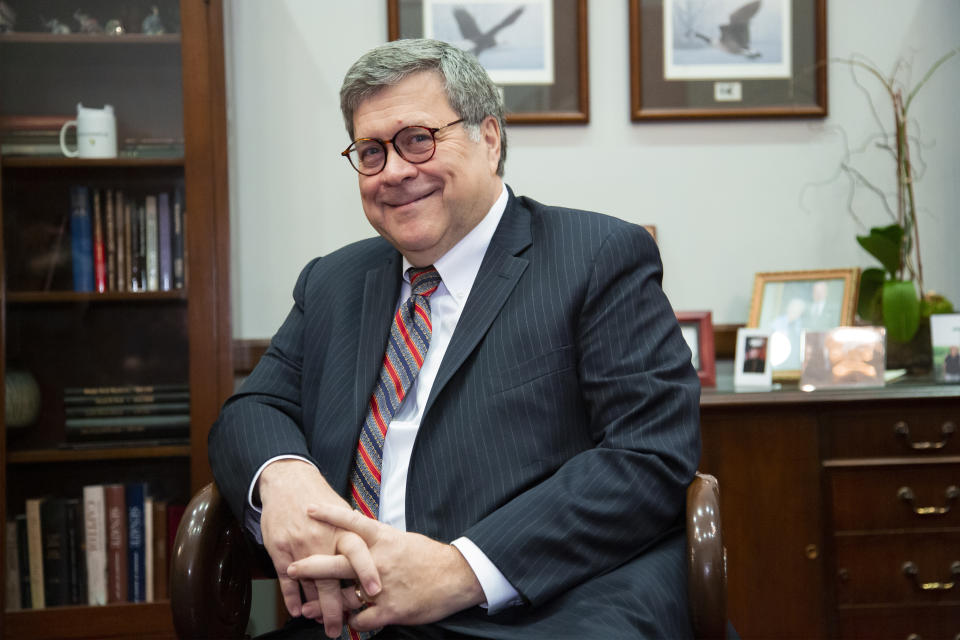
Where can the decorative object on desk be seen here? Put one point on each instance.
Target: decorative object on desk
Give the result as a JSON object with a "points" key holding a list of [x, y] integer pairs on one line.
{"points": [[727, 59], [536, 50], [787, 302], [752, 369], [96, 133], [88, 24], [697, 330], [892, 294], [55, 27], [22, 406], [152, 24], [945, 342], [114, 28], [843, 357]]}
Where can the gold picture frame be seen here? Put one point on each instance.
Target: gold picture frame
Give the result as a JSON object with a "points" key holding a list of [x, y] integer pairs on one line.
{"points": [[790, 302]]}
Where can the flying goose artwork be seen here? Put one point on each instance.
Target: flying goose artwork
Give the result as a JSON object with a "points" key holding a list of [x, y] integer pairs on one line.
{"points": [[735, 36], [481, 40]]}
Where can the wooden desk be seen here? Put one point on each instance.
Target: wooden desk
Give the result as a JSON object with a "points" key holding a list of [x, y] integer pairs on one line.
{"points": [[816, 521]]}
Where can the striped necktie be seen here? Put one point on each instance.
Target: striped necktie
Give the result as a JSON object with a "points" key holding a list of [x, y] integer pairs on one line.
{"points": [[406, 349]]}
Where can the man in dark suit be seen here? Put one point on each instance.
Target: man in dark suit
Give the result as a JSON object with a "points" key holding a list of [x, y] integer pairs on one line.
{"points": [[522, 449]]}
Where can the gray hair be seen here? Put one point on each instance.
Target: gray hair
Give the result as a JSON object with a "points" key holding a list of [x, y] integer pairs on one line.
{"points": [[469, 89]]}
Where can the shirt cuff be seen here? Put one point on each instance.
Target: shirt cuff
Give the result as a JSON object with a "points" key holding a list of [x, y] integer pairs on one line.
{"points": [[498, 591], [252, 511]]}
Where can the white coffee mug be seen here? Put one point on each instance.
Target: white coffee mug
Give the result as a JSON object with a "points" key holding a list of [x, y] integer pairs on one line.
{"points": [[96, 133]]}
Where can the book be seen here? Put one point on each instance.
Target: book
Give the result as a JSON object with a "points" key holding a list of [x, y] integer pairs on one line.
{"points": [[164, 241], [12, 568], [133, 398], [81, 239], [148, 593], [23, 562], [141, 247], [109, 223], [161, 566], [115, 500], [136, 553], [177, 244], [129, 409], [56, 570], [95, 538], [35, 553], [128, 236], [152, 253], [127, 427], [99, 258], [76, 556], [114, 390], [121, 240]]}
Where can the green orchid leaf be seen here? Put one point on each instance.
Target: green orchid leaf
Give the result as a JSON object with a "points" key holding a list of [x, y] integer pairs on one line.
{"points": [[901, 309], [884, 244], [871, 290]]}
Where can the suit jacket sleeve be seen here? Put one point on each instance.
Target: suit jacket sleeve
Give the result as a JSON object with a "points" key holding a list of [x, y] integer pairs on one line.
{"points": [[607, 503], [263, 419]]}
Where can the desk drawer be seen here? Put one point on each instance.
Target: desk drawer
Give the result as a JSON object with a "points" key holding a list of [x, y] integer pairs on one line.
{"points": [[870, 568], [895, 429], [896, 497], [900, 623]]}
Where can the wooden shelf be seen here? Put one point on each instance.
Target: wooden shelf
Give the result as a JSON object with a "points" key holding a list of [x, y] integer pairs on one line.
{"points": [[126, 620], [52, 297], [132, 452], [57, 162], [89, 38]]}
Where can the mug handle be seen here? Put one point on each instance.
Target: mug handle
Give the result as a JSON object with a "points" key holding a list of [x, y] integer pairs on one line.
{"points": [[63, 140]]}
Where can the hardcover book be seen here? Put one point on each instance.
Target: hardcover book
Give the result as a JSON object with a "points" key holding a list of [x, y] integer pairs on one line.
{"points": [[115, 500], [12, 568], [178, 239], [81, 239], [56, 569], [136, 552], [35, 553], [99, 253], [121, 241], [23, 561], [152, 254], [164, 241], [110, 241], [95, 529]]}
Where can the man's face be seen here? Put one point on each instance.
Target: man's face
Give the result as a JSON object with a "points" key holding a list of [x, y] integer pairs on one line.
{"points": [[425, 209]]}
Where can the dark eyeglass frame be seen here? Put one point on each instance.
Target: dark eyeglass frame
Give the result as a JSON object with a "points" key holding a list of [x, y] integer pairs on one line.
{"points": [[383, 144]]}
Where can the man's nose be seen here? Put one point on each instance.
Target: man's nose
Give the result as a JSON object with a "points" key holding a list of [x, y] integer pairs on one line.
{"points": [[396, 168]]}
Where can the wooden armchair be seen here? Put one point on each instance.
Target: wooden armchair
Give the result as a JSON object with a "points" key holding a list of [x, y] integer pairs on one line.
{"points": [[213, 564]]}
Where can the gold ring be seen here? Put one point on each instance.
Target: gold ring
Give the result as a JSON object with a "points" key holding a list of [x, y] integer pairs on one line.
{"points": [[360, 595]]}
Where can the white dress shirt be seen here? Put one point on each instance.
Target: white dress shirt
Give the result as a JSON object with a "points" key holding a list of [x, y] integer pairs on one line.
{"points": [[458, 269]]}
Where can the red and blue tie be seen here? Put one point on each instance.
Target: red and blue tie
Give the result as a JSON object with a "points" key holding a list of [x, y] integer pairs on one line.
{"points": [[406, 349]]}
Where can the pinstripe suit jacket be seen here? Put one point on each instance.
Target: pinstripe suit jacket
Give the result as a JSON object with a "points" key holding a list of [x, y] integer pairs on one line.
{"points": [[563, 425]]}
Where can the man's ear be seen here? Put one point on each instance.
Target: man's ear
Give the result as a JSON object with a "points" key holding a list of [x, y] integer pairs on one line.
{"points": [[490, 136]]}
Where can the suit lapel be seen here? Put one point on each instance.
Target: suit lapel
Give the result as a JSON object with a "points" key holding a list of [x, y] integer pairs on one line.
{"points": [[498, 275], [380, 291]]}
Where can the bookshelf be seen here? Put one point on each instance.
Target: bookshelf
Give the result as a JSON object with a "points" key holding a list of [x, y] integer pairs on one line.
{"points": [[162, 87]]}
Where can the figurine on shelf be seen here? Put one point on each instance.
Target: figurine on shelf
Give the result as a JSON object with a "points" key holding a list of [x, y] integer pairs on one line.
{"points": [[8, 17], [55, 26], [152, 25], [115, 28], [88, 24]]}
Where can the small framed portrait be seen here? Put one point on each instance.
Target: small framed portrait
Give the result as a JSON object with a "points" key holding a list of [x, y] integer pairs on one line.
{"points": [[790, 302], [843, 357], [697, 330], [945, 339], [535, 50], [752, 369]]}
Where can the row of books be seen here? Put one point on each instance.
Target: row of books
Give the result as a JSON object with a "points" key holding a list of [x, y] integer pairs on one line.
{"points": [[129, 412], [111, 546], [40, 136], [124, 243]]}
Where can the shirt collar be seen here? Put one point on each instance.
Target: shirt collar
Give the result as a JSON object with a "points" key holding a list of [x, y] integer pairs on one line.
{"points": [[459, 266]]}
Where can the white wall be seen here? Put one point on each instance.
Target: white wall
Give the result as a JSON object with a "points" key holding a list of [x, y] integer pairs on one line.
{"points": [[725, 196]]}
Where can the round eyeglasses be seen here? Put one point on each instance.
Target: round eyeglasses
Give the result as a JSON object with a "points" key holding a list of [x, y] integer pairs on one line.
{"points": [[415, 144]]}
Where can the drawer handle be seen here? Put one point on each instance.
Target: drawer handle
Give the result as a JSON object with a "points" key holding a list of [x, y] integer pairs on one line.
{"points": [[901, 430], [951, 494], [910, 570]]}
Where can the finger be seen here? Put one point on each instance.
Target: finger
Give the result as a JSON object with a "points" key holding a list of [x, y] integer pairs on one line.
{"points": [[357, 553], [323, 567], [290, 590], [345, 518], [349, 595], [331, 606], [368, 619]]}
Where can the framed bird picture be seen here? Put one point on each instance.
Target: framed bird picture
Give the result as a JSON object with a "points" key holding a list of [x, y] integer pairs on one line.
{"points": [[727, 59], [535, 50]]}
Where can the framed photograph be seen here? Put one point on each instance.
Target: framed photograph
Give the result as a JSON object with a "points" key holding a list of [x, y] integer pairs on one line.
{"points": [[697, 330], [727, 59], [752, 369], [535, 50], [789, 302], [842, 358], [945, 338]]}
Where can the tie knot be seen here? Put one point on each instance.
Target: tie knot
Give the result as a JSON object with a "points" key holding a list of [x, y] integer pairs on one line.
{"points": [[424, 281]]}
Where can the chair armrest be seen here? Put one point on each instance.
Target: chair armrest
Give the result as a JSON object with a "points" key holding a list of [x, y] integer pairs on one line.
{"points": [[210, 574], [706, 559]]}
